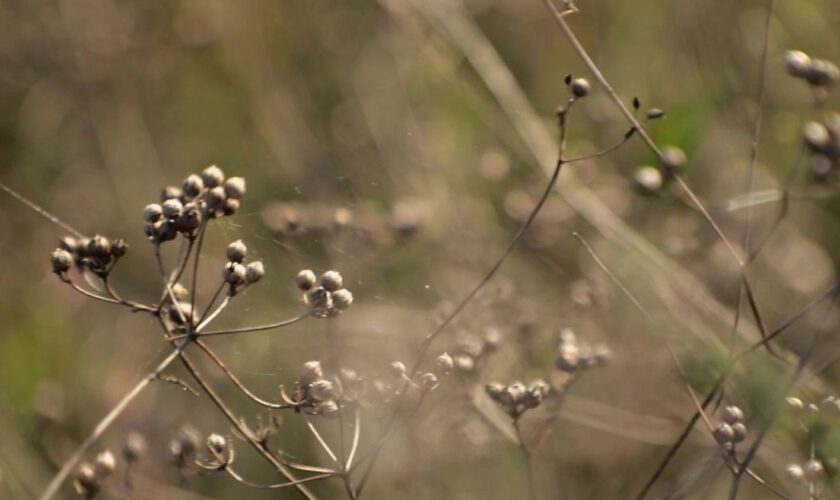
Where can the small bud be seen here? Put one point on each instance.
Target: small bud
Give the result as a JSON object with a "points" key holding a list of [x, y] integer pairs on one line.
{"points": [[398, 369], [816, 136], [230, 206], [428, 381], [673, 158], [134, 448], [235, 273], [740, 431], [99, 247], [235, 188], [215, 197], [169, 193], [813, 470], [823, 73], [647, 180], [193, 185], [331, 281], [795, 472], [580, 87], [217, 443], [119, 247], [305, 279], [795, 403], [732, 414], [61, 260], [342, 299], [212, 176], [655, 113], [105, 464], [311, 372], [444, 363], [254, 272], [172, 208], [797, 63], [724, 433], [237, 251]]}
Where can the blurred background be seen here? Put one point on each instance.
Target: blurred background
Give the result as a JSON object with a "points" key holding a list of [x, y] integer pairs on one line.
{"points": [[372, 143]]}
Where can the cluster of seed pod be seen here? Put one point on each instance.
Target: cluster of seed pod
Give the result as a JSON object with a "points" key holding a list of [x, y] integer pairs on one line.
{"points": [[470, 350], [183, 450], [648, 180], [574, 355], [97, 254], [236, 273], [809, 472], [314, 393], [816, 72], [182, 210], [90, 476], [325, 296], [517, 398], [831, 405], [822, 138], [732, 429]]}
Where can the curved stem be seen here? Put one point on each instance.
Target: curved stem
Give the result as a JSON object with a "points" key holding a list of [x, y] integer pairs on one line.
{"points": [[258, 328]]}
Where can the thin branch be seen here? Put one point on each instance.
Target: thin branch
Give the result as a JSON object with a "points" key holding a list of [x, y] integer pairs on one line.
{"points": [[34, 206], [357, 431], [238, 477], [258, 328], [320, 439]]}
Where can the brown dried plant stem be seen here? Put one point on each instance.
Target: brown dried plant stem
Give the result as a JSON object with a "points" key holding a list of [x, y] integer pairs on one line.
{"points": [[102, 426], [532, 487]]}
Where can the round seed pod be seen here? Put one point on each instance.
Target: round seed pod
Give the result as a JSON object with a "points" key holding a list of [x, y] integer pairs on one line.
{"points": [[318, 299], [398, 368], [464, 363], [99, 247], [230, 206], [134, 448], [342, 299], [105, 464], [823, 73], [797, 63], [119, 247], [580, 87], [254, 272], [235, 188], [444, 363], [795, 403], [647, 180], [61, 260], [215, 197], [235, 273], [193, 185], [217, 443], [428, 381], [654, 113], [816, 136], [331, 281], [69, 243], [740, 432], [311, 372], [172, 208], [494, 390], [169, 193], [86, 481], [673, 158], [305, 279], [795, 472], [724, 433], [212, 176], [813, 470], [321, 390], [236, 251], [732, 414]]}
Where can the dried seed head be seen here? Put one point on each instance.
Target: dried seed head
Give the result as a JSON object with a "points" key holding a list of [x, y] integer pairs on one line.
{"points": [[254, 272], [816, 136], [134, 447], [305, 279], [169, 193], [235, 188], [797, 63], [235, 273], [673, 158], [823, 73], [99, 247], [172, 208], [105, 464], [217, 443], [331, 281], [86, 481], [647, 180], [813, 470], [311, 372], [153, 212], [212, 176], [193, 185], [724, 433], [732, 414], [537, 393], [740, 431], [580, 87], [513, 395], [230, 206], [215, 197], [342, 299], [444, 363], [61, 260], [428, 381], [237, 251]]}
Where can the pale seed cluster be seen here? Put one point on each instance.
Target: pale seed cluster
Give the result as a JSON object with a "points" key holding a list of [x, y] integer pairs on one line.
{"points": [[574, 355], [732, 429], [97, 254], [325, 296], [517, 398]]}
